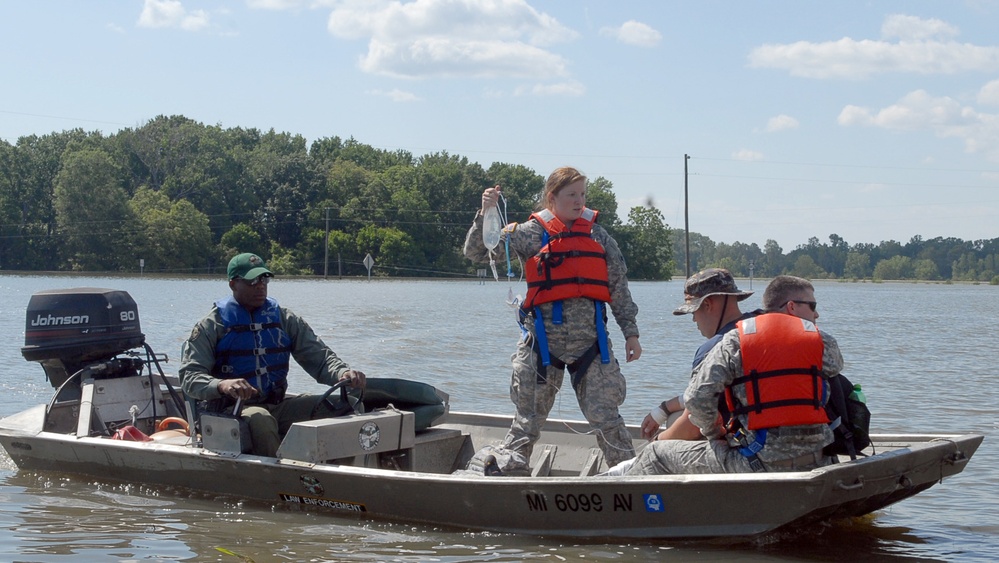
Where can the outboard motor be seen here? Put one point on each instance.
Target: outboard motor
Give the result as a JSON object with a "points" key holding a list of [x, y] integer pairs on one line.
{"points": [[67, 330]]}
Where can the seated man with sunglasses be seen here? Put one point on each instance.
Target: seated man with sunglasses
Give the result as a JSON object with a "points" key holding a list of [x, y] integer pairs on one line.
{"points": [[241, 351], [772, 373]]}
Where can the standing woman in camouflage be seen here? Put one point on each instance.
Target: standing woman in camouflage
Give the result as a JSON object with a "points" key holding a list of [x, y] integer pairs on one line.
{"points": [[574, 270]]}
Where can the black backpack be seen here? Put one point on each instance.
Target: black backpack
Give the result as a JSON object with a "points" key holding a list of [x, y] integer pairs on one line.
{"points": [[850, 419]]}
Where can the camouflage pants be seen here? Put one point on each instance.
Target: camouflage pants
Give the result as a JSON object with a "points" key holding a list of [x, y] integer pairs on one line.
{"points": [[668, 457], [601, 391]]}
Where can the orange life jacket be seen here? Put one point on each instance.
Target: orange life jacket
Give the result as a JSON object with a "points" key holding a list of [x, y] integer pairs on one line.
{"points": [[782, 372], [570, 264]]}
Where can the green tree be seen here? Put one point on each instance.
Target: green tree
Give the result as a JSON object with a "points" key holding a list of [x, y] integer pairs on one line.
{"points": [[521, 188], [30, 240], [925, 269], [242, 238], [702, 251], [648, 250], [772, 262], [857, 265], [284, 261], [895, 268], [92, 213], [173, 237], [393, 250], [805, 267]]}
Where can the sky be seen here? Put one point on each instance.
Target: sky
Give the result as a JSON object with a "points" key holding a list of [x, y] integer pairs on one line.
{"points": [[873, 121]]}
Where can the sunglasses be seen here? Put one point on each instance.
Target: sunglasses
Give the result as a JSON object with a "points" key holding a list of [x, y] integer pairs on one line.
{"points": [[263, 278], [811, 304]]}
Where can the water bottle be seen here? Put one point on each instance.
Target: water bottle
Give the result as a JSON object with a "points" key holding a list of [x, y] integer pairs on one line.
{"points": [[858, 394]]}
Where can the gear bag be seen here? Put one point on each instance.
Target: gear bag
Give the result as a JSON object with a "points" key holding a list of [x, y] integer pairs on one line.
{"points": [[851, 419]]}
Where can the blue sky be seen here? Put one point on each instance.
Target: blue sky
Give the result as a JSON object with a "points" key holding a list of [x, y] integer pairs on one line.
{"points": [[872, 120]]}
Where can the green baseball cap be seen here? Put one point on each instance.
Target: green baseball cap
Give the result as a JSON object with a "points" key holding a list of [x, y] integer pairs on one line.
{"points": [[248, 266]]}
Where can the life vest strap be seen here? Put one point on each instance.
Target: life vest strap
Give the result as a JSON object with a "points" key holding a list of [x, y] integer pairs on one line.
{"points": [[256, 351], [254, 327], [753, 379], [258, 371], [550, 283], [573, 254], [758, 407], [756, 375], [579, 367], [541, 339], [601, 322]]}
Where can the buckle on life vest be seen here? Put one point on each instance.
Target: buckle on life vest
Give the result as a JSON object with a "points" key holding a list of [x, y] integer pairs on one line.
{"points": [[256, 327]]}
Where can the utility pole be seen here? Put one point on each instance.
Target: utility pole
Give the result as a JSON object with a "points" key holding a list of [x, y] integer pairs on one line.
{"points": [[326, 247], [686, 215]]}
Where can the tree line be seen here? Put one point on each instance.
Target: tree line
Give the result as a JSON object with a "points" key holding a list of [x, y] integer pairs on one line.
{"points": [[175, 196], [183, 197], [936, 259]]}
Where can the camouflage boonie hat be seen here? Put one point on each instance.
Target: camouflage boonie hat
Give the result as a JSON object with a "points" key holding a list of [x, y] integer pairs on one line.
{"points": [[712, 281]]}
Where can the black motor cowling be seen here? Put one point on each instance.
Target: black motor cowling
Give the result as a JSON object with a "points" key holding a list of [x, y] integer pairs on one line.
{"points": [[68, 329]]}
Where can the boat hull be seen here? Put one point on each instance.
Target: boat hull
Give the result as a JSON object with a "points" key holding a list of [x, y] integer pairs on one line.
{"points": [[561, 504]]}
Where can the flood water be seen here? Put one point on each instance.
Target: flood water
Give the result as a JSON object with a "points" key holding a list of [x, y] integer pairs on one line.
{"points": [[925, 354]]}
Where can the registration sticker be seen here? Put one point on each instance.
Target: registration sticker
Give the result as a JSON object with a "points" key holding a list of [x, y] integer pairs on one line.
{"points": [[654, 503]]}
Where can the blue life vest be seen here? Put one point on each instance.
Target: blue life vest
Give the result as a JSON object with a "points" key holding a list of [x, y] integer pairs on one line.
{"points": [[254, 348]]}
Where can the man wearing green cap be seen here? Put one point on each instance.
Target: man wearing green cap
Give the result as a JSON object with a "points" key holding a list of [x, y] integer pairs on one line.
{"points": [[241, 351]]}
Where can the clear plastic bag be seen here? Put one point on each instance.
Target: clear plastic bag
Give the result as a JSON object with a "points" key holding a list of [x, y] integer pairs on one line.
{"points": [[492, 227]]}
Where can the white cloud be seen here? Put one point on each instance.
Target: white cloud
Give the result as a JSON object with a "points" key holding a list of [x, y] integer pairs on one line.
{"points": [[453, 38], [396, 95], [171, 13], [781, 123], [275, 4], [570, 88], [633, 33], [912, 28], [989, 94], [924, 48], [943, 116], [747, 155], [446, 57]]}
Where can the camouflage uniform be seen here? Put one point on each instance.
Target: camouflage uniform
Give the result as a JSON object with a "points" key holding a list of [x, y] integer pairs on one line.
{"points": [[602, 388], [267, 421], [791, 448]]}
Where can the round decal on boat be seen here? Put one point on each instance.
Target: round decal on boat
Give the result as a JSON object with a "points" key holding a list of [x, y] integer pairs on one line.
{"points": [[368, 436], [312, 485]]}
